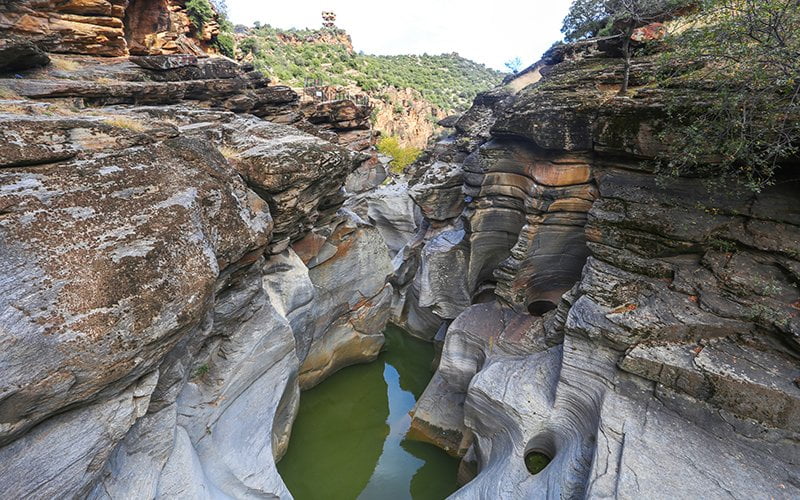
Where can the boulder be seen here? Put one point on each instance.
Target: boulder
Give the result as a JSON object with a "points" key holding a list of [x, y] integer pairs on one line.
{"points": [[300, 175], [172, 179], [438, 191]]}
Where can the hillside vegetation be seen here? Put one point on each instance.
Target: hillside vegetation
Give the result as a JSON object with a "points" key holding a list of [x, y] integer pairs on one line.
{"points": [[734, 108], [448, 81]]}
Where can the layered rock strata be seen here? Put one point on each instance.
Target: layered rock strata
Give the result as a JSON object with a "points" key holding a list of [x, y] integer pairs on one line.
{"points": [[172, 275], [174, 271], [107, 27], [642, 336]]}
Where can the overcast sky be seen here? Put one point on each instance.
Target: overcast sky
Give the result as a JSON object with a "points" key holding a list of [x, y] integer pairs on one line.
{"points": [[490, 32]]}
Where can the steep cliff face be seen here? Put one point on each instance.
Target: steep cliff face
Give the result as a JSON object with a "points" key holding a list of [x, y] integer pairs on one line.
{"points": [[406, 115], [644, 337], [325, 37], [172, 272], [106, 27]]}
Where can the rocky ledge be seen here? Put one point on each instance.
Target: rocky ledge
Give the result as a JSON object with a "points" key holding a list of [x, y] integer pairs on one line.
{"points": [[107, 27], [173, 272], [643, 337]]}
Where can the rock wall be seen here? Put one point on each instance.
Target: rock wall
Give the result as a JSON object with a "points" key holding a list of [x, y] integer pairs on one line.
{"points": [[106, 27], [642, 336], [172, 271], [406, 115]]}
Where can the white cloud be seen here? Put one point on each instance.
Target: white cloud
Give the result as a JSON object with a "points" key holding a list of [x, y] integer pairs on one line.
{"points": [[487, 32]]}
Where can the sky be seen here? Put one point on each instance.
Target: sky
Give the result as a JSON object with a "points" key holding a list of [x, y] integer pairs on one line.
{"points": [[489, 32]]}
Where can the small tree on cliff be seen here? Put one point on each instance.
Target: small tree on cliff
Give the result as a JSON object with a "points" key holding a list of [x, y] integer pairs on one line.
{"points": [[514, 65], [200, 12], [620, 18]]}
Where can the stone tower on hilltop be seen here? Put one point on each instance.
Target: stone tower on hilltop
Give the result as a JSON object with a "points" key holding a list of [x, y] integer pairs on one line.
{"points": [[328, 19]]}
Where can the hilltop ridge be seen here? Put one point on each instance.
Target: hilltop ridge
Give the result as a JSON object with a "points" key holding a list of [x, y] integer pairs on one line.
{"points": [[408, 93], [448, 81]]}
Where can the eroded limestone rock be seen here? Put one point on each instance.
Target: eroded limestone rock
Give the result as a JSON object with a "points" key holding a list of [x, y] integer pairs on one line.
{"points": [[671, 361], [107, 27], [155, 343], [352, 300]]}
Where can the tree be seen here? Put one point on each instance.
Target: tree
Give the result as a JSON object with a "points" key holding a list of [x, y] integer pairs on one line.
{"points": [[250, 45], [741, 118], [514, 65], [199, 12], [626, 16], [587, 18]]}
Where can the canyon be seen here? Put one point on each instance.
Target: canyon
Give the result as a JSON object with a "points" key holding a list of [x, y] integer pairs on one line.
{"points": [[187, 246]]}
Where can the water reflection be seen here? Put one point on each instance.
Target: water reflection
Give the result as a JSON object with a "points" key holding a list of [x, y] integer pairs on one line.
{"points": [[349, 438]]}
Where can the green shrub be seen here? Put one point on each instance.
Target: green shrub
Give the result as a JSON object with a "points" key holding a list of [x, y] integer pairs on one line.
{"points": [[199, 12], [226, 44], [201, 371], [250, 45], [402, 156]]}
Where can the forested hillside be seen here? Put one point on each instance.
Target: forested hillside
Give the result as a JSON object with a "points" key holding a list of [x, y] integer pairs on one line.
{"points": [[448, 81]]}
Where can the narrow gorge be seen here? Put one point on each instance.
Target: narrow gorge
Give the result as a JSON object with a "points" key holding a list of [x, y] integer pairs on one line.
{"points": [[191, 256]]}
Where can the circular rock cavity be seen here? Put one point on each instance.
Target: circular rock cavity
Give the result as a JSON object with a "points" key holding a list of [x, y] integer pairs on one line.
{"points": [[484, 296], [539, 307], [540, 453]]}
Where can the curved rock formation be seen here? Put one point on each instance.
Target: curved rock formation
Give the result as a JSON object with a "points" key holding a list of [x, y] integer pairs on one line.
{"points": [[351, 305], [676, 344], [159, 324], [173, 271]]}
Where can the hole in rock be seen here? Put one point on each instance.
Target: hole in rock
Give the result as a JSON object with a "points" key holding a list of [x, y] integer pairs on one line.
{"points": [[483, 296], [536, 461], [541, 450], [539, 307], [143, 19]]}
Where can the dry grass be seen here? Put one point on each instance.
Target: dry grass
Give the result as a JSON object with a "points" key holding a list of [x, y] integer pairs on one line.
{"points": [[64, 64], [14, 109], [104, 80], [125, 123], [66, 108], [7, 93], [229, 153]]}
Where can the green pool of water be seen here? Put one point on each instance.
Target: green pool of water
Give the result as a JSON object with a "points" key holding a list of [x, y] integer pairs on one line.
{"points": [[536, 462], [349, 441]]}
